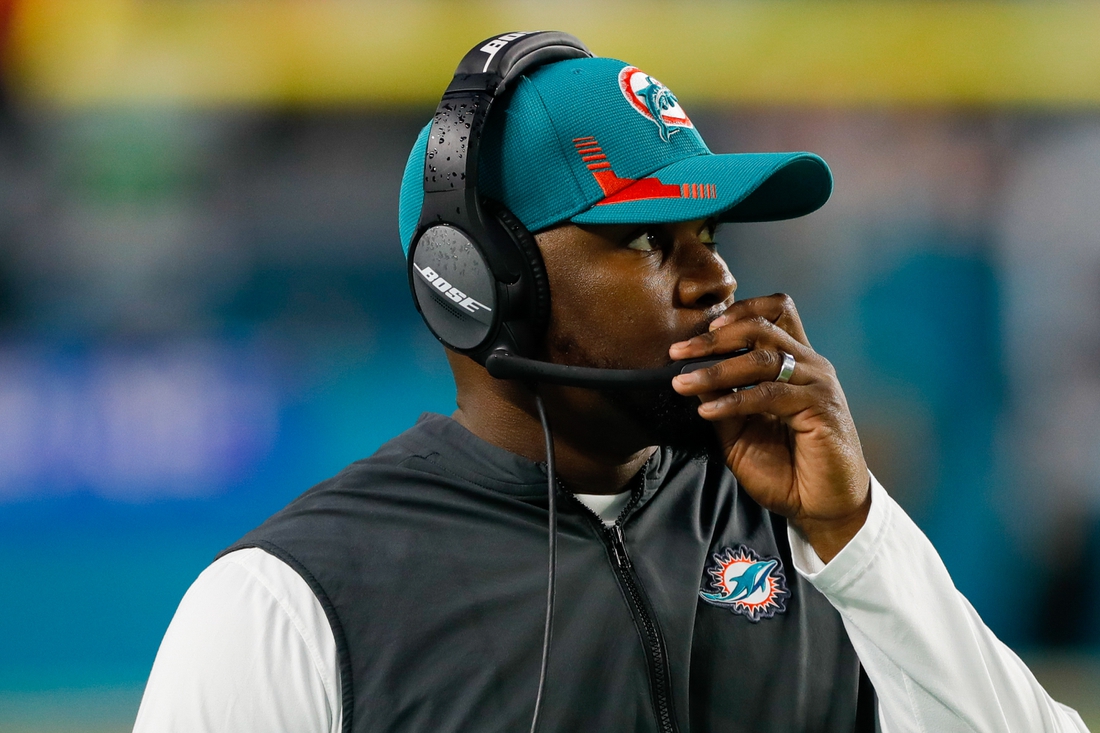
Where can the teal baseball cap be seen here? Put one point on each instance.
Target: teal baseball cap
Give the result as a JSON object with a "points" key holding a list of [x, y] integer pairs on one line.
{"points": [[598, 141]]}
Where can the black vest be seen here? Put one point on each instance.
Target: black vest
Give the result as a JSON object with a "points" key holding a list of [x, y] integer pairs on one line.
{"points": [[429, 559]]}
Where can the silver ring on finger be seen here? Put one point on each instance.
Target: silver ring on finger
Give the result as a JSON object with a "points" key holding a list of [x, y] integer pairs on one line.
{"points": [[787, 369]]}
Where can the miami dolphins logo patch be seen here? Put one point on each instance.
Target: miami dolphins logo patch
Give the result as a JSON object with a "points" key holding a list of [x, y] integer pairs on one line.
{"points": [[654, 101], [747, 584]]}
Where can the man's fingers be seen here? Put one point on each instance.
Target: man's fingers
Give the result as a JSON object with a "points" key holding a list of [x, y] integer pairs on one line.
{"points": [[757, 366], [778, 309], [742, 334], [763, 362], [771, 398], [739, 326]]}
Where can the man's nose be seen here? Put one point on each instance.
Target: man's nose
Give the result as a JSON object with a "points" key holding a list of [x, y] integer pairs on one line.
{"points": [[705, 280]]}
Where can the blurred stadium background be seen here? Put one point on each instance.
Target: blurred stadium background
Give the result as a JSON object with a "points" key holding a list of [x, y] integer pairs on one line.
{"points": [[203, 307]]}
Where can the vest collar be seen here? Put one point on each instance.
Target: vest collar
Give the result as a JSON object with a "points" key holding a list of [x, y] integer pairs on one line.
{"points": [[457, 451]]}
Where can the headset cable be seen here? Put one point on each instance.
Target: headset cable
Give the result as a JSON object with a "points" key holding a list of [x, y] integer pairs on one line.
{"points": [[552, 521]]}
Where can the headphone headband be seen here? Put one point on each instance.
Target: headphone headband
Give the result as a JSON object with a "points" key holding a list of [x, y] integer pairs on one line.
{"points": [[492, 64], [486, 70]]}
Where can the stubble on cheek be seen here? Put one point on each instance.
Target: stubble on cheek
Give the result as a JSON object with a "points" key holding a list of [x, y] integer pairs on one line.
{"points": [[565, 349]]}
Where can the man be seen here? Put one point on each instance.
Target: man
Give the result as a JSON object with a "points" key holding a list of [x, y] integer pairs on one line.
{"points": [[725, 563]]}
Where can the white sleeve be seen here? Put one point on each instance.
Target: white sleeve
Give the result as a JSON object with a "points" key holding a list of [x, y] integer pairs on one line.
{"points": [[934, 664], [249, 650]]}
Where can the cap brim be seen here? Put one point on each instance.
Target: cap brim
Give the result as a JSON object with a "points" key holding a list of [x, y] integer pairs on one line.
{"points": [[733, 187]]}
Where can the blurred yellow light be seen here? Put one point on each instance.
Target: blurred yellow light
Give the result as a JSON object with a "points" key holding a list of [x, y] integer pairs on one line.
{"points": [[337, 52]]}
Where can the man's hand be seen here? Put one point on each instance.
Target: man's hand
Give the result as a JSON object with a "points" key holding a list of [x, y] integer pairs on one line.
{"points": [[792, 446]]}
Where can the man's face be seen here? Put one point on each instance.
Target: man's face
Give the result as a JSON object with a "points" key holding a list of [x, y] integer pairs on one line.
{"points": [[621, 295]]}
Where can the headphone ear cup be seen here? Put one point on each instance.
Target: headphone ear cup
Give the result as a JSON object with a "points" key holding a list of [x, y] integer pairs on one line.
{"points": [[532, 258]]}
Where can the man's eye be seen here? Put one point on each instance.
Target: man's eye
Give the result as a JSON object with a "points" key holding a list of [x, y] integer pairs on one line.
{"points": [[706, 236], [644, 242]]}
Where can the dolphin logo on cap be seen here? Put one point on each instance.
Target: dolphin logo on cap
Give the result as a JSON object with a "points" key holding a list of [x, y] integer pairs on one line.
{"points": [[659, 98], [654, 101]]}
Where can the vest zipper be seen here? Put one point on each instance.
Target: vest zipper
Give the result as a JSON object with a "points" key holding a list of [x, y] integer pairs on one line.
{"points": [[654, 644], [618, 547]]}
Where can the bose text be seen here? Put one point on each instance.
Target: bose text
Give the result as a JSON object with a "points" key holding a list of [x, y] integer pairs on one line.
{"points": [[464, 301]]}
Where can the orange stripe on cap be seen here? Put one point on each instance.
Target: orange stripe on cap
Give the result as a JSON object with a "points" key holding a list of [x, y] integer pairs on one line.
{"points": [[587, 158], [595, 166], [578, 139], [589, 149]]}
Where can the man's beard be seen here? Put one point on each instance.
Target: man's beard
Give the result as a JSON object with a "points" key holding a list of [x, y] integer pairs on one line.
{"points": [[663, 416], [667, 418]]}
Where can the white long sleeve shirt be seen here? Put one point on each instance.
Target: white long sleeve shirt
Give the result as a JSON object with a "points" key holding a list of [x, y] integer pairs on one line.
{"points": [[250, 649]]}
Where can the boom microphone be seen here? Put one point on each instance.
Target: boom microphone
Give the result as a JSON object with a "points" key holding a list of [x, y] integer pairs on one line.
{"points": [[504, 365]]}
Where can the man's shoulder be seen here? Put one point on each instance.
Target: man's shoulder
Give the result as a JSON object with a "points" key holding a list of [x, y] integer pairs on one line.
{"points": [[406, 455], [424, 438], [350, 491], [428, 469]]}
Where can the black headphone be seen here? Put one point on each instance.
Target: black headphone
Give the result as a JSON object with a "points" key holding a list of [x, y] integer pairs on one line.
{"points": [[476, 275]]}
